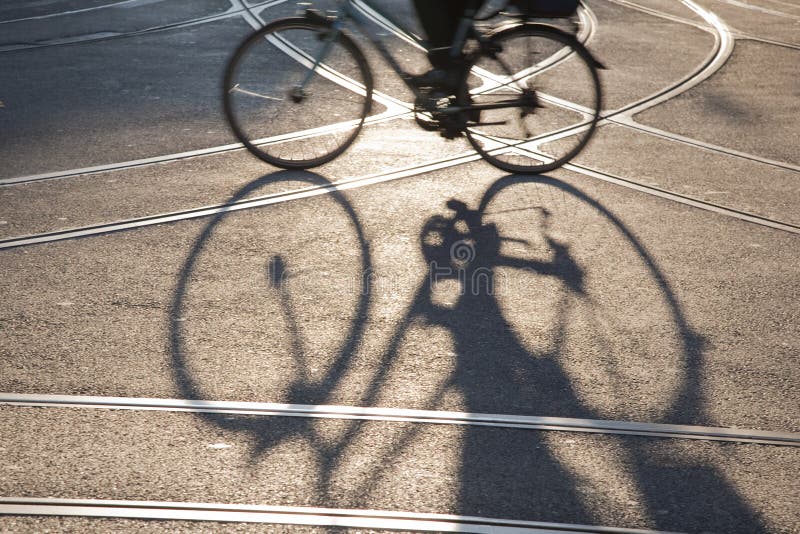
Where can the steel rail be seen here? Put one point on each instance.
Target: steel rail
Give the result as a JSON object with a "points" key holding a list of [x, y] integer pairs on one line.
{"points": [[205, 211], [395, 109], [738, 34], [704, 70], [760, 9], [749, 37], [785, 3], [662, 14], [396, 112], [670, 136], [620, 117], [685, 199], [564, 424], [93, 38], [352, 183], [723, 48], [257, 22], [389, 114], [71, 12], [291, 515]]}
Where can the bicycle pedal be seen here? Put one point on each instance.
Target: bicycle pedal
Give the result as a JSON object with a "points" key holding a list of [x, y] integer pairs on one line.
{"points": [[495, 123], [451, 134], [429, 125]]}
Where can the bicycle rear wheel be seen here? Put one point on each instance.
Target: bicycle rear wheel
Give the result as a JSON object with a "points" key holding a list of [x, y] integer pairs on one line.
{"points": [[550, 84], [283, 112]]}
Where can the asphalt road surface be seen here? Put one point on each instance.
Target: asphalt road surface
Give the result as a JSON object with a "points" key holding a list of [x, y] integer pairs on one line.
{"points": [[192, 340]]}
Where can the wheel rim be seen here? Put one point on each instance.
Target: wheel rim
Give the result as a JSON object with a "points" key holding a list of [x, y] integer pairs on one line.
{"points": [[286, 116], [560, 91]]}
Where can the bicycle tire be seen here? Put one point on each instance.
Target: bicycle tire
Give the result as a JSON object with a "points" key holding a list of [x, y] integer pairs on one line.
{"points": [[262, 103], [554, 117]]}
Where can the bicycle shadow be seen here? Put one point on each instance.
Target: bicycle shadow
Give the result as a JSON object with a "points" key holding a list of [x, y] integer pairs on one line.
{"points": [[496, 369], [268, 432]]}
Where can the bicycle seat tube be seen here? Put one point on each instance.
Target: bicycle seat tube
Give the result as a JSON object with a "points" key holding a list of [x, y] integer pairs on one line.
{"points": [[462, 31], [336, 25]]}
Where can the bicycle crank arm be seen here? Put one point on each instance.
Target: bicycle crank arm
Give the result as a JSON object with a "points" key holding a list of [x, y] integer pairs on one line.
{"points": [[494, 105], [500, 105], [496, 123]]}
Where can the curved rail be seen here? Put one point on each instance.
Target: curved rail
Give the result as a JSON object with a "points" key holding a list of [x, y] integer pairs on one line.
{"points": [[370, 179]]}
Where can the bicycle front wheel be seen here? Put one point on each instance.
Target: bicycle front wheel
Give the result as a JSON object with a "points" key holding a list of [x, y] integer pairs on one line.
{"points": [[290, 108], [537, 99]]}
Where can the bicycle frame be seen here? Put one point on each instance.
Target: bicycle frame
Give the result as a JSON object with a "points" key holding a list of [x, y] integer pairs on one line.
{"points": [[490, 74], [362, 13]]}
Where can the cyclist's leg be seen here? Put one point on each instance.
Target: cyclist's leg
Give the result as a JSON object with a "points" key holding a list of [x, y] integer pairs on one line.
{"points": [[440, 21], [551, 84]]}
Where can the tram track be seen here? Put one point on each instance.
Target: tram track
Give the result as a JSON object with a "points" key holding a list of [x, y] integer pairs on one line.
{"points": [[362, 181], [760, 9], [737, 34], [623, 116], [232, 12], [71, 12], [290, 515], [395, 108], [749, 37], [155, 510], [399, 415]]}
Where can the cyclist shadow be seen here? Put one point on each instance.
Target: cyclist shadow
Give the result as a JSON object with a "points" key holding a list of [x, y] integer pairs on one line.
{"points": [[519, 474], [523, 474], [502, 473], [493, 371]]}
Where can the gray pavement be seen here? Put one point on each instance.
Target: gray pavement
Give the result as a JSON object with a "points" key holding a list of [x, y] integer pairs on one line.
{"points": [[583, 298]]}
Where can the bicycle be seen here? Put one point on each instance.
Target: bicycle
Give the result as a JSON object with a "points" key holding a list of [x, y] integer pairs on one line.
{"points": [[298, 91]]}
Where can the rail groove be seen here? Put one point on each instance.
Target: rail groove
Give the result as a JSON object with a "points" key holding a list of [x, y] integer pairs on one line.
{"points": [[290, 515], [564, 424]]}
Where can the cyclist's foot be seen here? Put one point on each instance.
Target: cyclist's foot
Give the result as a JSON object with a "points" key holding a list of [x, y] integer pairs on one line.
{"points": [[444, 79], [426, 122]]}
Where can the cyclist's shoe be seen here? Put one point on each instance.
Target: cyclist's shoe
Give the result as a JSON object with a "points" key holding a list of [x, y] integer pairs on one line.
{"points": [[445, 79]]}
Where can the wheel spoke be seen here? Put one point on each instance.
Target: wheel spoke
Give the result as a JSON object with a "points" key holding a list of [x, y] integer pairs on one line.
{"points": [[281, 125], [562, 113]]}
